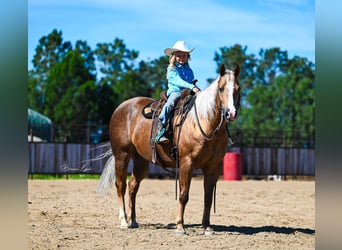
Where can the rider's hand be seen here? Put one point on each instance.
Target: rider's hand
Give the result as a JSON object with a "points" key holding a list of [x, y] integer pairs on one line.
{"points": [[196, 89]]}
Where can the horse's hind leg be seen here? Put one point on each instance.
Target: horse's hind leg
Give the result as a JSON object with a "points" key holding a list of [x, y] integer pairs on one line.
{"points": [[140, 170], [121, 165]]}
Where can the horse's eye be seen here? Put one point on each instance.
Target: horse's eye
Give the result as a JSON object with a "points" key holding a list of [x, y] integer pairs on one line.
{"points": [[221, 89]]}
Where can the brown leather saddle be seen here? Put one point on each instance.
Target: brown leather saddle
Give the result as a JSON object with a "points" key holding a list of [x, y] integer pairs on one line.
{"points": [[166, 152]]}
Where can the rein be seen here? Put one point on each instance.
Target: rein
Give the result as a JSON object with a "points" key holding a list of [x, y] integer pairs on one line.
{"points": [[233, 141], [209, 138]]}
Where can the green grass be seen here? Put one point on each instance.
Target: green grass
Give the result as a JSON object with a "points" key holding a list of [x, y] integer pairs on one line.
{"points": [[66, 176], [63, 176]]}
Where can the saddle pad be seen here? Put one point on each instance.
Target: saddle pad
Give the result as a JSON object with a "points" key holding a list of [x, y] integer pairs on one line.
{"points": [[150, 108]]}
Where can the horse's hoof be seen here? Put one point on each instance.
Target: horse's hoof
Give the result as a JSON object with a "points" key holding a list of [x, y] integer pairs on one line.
{"points": [[134, 225], [180, 232], [208, 231], [124, 225]]}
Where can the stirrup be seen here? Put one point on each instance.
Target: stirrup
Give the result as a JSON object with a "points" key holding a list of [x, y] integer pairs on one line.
{"points": [[163, 139], [160, 135]]}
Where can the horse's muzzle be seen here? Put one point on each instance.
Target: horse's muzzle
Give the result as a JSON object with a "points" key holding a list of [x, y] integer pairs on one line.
{"points": [[230, 116]]}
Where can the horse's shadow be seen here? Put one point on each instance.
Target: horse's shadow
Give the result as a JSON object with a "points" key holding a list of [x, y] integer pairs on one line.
{"points": [[247, 230], [263, 229]]}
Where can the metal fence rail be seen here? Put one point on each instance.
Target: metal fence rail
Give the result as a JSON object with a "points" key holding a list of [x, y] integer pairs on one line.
{"points": [[68, 158]]}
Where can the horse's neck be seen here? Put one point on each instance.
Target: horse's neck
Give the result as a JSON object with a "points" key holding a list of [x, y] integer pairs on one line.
{"points": [[208, 108]]}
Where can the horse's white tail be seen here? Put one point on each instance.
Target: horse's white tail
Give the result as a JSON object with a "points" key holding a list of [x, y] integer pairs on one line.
{"points": [[107, 177]]}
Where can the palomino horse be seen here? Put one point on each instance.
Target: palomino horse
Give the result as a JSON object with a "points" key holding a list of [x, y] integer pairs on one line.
{"points": [[202, 144]]}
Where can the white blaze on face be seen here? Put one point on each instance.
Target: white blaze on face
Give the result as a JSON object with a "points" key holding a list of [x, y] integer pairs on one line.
{"points": [[230, 86]]}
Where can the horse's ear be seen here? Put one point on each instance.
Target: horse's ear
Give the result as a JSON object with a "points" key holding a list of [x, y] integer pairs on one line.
{"points": [[222, 69], [237, 70]]}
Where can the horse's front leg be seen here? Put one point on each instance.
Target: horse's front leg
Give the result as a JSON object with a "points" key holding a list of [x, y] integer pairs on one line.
{"points": [[184, 187], [210, 180]]}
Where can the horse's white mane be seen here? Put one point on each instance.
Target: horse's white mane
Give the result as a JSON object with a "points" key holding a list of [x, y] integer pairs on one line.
{"points": [[205, 102]]}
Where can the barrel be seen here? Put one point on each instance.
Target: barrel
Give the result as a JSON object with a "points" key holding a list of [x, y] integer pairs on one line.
{"points": [[232, 166]]}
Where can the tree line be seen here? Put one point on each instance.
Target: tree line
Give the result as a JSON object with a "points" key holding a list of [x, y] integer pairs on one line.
{"points": [[74, 84]]}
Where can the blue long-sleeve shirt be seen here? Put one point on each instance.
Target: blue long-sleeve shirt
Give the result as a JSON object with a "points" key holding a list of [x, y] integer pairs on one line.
{"points": [[179, 78]]}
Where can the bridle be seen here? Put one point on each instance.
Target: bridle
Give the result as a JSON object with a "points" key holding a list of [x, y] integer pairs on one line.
{"points": [[210, 137], [222, 118]]}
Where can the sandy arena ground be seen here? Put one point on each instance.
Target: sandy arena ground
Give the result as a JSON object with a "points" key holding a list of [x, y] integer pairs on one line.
{"points": [[67, 214]]}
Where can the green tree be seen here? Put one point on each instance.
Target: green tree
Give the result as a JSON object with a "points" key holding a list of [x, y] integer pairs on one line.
{"points": [[116, 66], [277, 92], [278, 99], [70, 92], [272, 63], [107, 101], [35, 92], [50, 50], [237, 55], [125, 77], [114, 60], [154, 75], [88, 56]]}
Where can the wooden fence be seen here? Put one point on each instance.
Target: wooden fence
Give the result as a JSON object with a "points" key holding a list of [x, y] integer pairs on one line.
{"points": [[68, 158], [277, 161]]}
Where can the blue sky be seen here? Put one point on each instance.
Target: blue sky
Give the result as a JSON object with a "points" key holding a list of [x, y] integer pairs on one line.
{"points": [[149, 26]]}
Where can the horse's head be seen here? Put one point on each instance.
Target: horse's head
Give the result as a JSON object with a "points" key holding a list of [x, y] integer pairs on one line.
{"points": [[229, 91]]}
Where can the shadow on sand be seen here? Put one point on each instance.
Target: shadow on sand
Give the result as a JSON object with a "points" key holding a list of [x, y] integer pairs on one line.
{"points": [[240, 229], [263, 229]]}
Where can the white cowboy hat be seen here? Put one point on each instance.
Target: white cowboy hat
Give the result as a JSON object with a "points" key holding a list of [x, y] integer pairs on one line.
{"points": [[178, 46]]}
